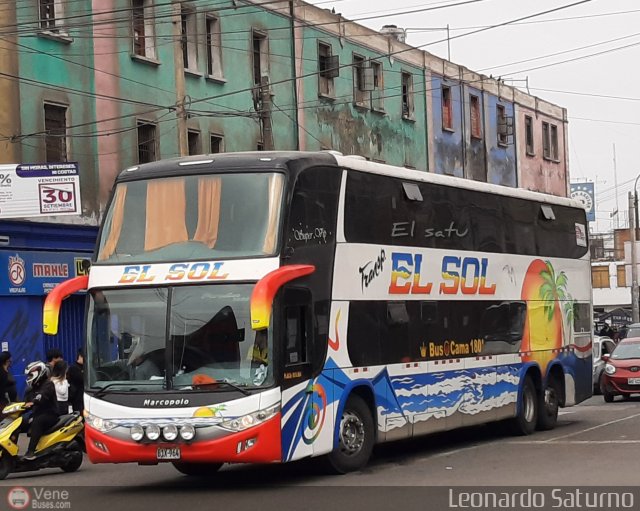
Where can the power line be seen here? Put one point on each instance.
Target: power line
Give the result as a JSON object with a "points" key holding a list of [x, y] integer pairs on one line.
{"points": [[385, 55], [560, 52], [397, 52]]}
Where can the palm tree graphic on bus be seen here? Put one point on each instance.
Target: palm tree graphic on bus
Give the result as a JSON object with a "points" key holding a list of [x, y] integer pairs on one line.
{"points": [[549, 309]]}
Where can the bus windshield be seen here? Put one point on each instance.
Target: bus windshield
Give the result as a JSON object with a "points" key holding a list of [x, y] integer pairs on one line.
{"points": [[186, 338], [193, 218]]}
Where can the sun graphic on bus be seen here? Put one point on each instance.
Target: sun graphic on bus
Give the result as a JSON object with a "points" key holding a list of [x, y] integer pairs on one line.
{"points": [[544, 291], [315, 412]]}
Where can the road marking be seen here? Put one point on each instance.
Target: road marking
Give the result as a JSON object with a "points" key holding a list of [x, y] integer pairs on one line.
{"points": [[592, 428], [462, 449], [565, 412], [590, 442]]}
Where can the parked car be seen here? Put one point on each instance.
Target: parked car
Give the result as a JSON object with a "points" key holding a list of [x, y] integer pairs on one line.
{"points": [[622, 370], [632, 330], [601, 346]]}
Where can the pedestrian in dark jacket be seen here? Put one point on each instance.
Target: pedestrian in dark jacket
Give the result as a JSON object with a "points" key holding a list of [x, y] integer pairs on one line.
{"points": [[75, 377], [42, 398], [53, 355], [8, 392]]}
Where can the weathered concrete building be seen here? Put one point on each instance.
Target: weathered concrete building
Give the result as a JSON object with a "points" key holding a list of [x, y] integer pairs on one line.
{"points": [[116, 72]]}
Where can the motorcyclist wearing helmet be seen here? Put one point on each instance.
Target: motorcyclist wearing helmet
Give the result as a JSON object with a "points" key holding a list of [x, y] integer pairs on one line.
{"points": [[42, 398]]}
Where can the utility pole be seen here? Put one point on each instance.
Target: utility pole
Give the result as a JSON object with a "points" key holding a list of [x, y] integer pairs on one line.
{"points": [[615, 180], [181, 113], [265, 113], [634, 267]]}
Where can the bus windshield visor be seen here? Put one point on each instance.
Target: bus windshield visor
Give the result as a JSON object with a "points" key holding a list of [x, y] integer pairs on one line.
{"points": [[193, 218], [185, 338]]}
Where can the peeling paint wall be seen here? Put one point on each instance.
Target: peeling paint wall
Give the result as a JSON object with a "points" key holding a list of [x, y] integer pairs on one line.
{"points": [[538, 173], [475, 154], [448, 144], [501, 158], [377, 130]]}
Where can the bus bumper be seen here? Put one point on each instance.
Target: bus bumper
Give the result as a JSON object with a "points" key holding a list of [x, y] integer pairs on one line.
{"points": [[259, 444]]}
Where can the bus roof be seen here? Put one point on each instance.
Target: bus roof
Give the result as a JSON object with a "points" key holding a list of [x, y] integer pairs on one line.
{"points": [[359, 164], [288, 160]]}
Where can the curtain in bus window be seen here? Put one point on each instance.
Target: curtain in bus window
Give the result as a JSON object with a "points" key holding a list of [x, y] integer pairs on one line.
{"points": [[117, 218], [275, 198], [209, 192], [166, 208]]}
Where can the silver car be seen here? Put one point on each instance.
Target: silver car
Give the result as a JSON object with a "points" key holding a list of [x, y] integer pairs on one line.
{"points": [[601, 346]]}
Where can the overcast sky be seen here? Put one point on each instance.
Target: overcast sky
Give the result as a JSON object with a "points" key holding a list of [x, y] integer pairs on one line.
{"points": [[595, 123]]}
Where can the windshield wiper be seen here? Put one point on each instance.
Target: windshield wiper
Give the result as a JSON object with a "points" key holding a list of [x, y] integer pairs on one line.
{"points": [[225, 382], [101, 391]]}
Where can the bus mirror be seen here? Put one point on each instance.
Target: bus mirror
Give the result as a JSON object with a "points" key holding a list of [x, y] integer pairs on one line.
{"points": [[54, 299], [266, 289]]}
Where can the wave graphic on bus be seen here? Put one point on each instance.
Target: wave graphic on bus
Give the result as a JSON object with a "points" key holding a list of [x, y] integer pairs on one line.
{"points": [[468, 391]]}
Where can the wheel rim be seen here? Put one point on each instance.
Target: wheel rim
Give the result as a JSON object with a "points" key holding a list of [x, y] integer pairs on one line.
{"points": [[529, 405], [352, 434]]}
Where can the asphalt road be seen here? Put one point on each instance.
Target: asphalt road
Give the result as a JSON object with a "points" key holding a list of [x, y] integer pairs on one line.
{"points": [[594, 444]]}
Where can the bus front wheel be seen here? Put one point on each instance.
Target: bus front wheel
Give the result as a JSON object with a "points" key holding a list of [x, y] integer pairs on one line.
{"points": [[525, 422], [356, 436]]}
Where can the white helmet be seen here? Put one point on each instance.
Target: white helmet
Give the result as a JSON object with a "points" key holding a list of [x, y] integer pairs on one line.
{"points": [[36, 372]]}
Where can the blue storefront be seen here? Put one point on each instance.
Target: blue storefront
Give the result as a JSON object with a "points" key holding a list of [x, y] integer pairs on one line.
{"points": [[34, 257]]}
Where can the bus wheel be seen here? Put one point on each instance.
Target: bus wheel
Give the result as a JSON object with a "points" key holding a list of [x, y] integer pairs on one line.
{"points": [[548, 407], [525, 422], [197, 469], [356, 437]]}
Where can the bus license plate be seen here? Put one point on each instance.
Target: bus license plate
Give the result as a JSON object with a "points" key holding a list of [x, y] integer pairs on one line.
{"points": [[172, 453], [634, 381]]}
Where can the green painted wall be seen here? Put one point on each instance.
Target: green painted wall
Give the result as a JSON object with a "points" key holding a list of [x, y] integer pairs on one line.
{"points": [[59, 70], [339, 124]]}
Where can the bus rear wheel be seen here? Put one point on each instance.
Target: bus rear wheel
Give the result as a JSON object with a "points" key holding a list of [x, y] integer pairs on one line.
{"points": [[197, 469], [549, 405], [356, 436], [525, 422]]}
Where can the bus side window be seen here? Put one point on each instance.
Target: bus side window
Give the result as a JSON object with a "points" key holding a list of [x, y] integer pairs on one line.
{"points": [[429, 312], [298, 326]]}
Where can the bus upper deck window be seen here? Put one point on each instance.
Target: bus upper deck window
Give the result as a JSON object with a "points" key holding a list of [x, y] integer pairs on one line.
{"points": [[397, 313], [429, 312], [547, 212], [412, 191]]}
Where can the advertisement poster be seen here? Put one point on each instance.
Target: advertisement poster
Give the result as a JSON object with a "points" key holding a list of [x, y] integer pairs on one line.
{"points": [[584, 192], [36, 273], [42, 189]]}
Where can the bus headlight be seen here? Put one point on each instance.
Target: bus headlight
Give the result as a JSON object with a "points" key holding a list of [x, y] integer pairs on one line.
{"points": [[137, 432], [153, 432], [251, 419], [170, 432], [187, 432], [609, 369], [102, 425]]}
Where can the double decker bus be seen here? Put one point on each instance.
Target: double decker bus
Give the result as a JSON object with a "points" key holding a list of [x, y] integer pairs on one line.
{"points": [[267, 307]]}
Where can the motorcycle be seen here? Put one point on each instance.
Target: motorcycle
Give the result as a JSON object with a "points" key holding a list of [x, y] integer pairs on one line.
{"points": [[60, 447]]}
